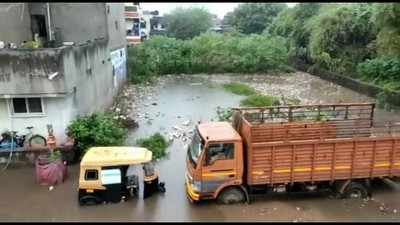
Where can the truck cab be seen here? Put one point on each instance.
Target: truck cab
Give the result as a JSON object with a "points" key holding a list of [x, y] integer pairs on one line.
{"points": [[214, 161]]}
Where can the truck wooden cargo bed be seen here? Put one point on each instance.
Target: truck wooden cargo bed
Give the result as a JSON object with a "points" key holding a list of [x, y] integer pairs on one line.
{"points": [[282, 147]]}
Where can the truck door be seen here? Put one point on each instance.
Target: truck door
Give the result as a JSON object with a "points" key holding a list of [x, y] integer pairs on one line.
{"points": [[218, 166]]}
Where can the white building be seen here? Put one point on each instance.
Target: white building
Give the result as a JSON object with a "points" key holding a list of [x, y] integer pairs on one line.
{"points": [[133, 14]]}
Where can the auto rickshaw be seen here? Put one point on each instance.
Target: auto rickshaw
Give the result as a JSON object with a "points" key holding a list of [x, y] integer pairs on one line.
{"points": [[105, 177]]}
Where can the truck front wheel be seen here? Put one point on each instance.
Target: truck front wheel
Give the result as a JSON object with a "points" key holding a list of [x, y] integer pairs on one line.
{"points": [[231, 195]]}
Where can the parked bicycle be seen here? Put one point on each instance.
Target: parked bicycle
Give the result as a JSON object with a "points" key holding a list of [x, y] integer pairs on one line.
{"points": [[26, 140]]}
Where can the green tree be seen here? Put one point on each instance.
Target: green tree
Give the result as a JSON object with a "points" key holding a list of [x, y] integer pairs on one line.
{"points": [[253, 17], [341, 37], [387, 17], [186, 23], [292, 23]]}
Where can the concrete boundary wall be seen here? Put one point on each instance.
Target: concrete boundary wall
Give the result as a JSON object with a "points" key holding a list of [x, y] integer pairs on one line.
{"points": [[371, 90]]}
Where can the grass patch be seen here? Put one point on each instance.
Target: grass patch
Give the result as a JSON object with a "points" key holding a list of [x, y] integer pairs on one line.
{"points": [[239, 89], [258, 100], [156, 144]]}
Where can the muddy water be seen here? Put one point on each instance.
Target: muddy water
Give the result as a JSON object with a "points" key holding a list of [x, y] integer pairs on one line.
{"points": [[173, 102]]}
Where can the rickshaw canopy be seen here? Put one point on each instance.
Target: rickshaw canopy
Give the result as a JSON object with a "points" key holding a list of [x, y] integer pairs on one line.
{"points": [[115, 156]]}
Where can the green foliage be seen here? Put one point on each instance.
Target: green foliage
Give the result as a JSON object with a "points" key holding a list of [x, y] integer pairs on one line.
{"points": [[359, 39], [258, 100], [224, 114], [239, 89], [254, 17], [340, 37], [381, 71], [98, 129], [156, 144], [30, 45], [186, 23], [207, 53], [387, 18], [141, 64], [54, 156], [292, 23]]}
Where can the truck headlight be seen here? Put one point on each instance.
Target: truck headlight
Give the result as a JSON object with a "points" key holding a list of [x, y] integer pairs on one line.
{"points": [[196, 186]]}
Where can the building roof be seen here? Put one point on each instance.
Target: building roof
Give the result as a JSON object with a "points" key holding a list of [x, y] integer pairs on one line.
{"points": [[113, 156], [218, 131]]}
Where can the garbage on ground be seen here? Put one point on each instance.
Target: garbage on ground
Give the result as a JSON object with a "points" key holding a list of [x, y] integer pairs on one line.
{"points": [[177, 128]]}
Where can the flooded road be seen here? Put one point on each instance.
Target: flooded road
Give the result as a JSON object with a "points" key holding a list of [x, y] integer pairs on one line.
{"points": [[172, 108]]}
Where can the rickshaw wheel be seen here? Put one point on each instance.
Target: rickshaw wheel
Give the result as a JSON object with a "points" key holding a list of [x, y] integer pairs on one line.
{"points": [[89, 200]]}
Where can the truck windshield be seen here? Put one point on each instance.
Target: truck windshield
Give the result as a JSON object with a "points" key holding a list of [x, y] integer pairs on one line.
{"points": [[195, 148]]}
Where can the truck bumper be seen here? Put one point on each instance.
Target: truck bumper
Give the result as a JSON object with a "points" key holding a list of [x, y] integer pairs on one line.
{"points": [[192, 196]]}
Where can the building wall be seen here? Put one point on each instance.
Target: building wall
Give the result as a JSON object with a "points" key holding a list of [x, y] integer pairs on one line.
{"points": [[117, 33], [79, 22], [15, 23], [58, 113], [90, 76], [27, 72]]}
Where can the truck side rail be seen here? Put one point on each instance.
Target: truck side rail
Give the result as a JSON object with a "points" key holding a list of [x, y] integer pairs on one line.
{"points": [[269, 132], [322, 112]]}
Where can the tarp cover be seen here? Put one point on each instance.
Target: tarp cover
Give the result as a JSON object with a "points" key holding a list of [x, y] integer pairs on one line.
{"points": [[52, 173]]}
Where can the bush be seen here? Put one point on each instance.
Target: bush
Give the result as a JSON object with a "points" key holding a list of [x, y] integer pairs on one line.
{"points": [[207, 53], [340, 37], [384, 72], [387, 22], [156, 144], [258, 100], [224, 114], [97, 129], [239, 89]]}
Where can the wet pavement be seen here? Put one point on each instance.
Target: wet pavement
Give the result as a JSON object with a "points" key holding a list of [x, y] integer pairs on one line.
{"points": [[173, 106]]}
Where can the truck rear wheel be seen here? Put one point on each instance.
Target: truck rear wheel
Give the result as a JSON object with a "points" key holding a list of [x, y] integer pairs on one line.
{"points": [[355, 190], [231, 195]]}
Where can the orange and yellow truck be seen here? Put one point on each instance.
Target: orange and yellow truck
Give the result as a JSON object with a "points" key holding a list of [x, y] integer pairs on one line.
{"points": [[291, 148]]}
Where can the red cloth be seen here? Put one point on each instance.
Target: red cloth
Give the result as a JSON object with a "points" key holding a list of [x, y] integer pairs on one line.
{"points": [[52, 173]]}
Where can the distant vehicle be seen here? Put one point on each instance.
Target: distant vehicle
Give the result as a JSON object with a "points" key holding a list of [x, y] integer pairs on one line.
{"points": [[104, 175], [291, 148]]}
